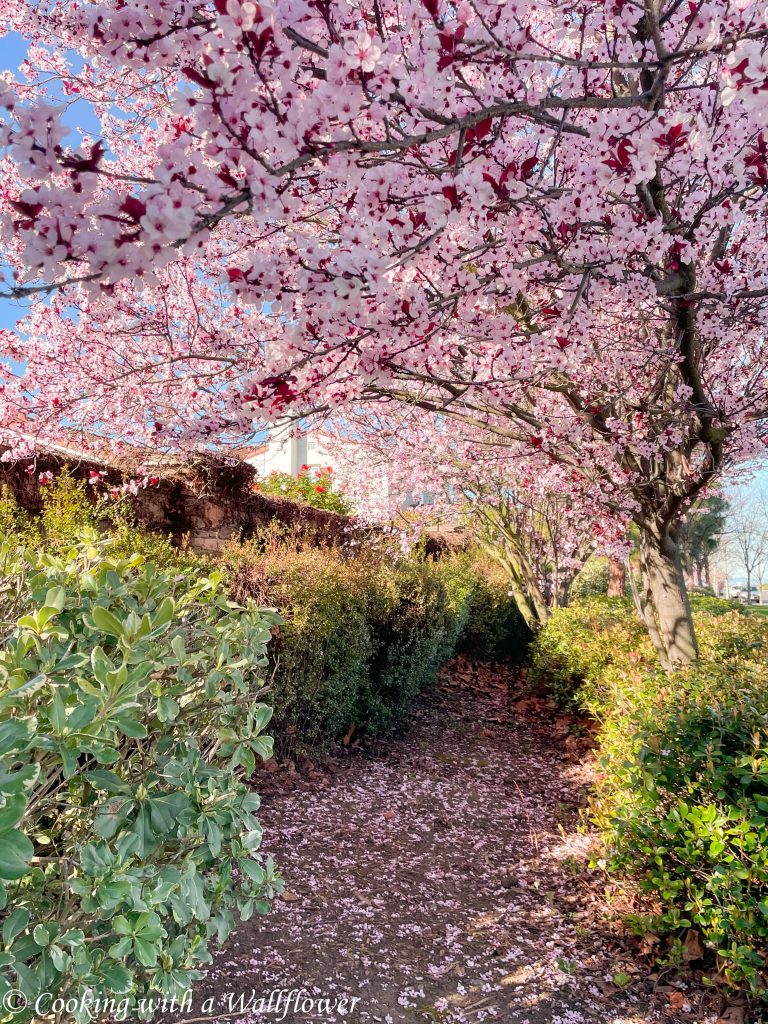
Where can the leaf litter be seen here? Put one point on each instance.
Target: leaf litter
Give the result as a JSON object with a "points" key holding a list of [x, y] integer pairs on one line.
{"points": [[444, 876]]}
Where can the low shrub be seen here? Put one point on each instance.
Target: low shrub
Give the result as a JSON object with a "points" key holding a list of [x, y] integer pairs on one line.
{"points": [[592, 580], [15, 523], [714, 605], [570, 655], [495, 628], [322, 651], [72, 509], [689, 813], [130, 711], [362, 636], [415, 631], [366, 628], [310, 487], [682, 796]]}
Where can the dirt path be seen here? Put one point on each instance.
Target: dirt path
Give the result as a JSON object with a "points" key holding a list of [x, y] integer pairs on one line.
{"points": [[443, 882]]}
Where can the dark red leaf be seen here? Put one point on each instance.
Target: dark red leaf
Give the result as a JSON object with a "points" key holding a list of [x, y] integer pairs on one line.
{"points": [[528, 167], [194, 76]]}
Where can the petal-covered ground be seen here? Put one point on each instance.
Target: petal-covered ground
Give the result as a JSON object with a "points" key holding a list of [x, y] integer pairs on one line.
{"points": [[445, 880]]}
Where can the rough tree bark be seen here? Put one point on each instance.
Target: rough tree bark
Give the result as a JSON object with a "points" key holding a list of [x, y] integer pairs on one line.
{"points": [[615, 578], [665, 605]]}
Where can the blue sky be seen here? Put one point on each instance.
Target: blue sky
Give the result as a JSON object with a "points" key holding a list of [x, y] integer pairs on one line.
{"points": [[13, 50]]}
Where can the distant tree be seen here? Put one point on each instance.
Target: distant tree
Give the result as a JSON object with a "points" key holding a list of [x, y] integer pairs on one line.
{"points": [[616, 577], [538, 520], [701, 532], [748, 535]]}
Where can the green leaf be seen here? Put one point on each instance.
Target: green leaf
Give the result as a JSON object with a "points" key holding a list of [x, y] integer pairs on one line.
{"points": [[164, 613], [96, 858], [56, 598], [263, 717], [57, 713], [16, 851], [254, 870], [142, 829], [105, 621], [164, 812], [146, 952], [12, 812], [167, 709], [264, 747], [119, 979], [112, 816], [14, 735], [109, 782], [131, 727], [58, 957], [15, 924], [120, 949], [83, 715], [122, 926]]}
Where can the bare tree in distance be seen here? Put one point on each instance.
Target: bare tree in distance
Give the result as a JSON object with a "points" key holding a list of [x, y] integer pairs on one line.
{"points": [[747, 536]]}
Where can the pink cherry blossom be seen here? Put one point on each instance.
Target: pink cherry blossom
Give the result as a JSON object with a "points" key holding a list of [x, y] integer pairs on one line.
{"points": [[549, 228], [362, 52]]}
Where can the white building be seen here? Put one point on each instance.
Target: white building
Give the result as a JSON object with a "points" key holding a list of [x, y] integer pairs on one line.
{"points": [[286, 451]]}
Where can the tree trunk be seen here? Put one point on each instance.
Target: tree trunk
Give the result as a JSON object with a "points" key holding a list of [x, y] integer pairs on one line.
{"points": [[666, 600], [522, 583], [615, 578]]}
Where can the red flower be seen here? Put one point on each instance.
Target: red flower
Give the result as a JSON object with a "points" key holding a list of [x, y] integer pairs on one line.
{"points": [[319, 489]]}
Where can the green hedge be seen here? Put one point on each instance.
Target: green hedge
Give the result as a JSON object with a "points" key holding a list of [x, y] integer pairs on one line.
{"points": [[362, 636], [366, 628], [592, 580], [130, 710], [495, 628], [682, 796]]}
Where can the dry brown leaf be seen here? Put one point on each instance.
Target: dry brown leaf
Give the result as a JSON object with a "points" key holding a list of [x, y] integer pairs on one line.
{"points": [[732, 1015], [647, 943], [692, 947], [291, 897], [678, 1000], [607, 987]]}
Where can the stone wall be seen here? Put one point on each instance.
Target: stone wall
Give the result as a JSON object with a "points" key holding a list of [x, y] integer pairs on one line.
{"points": [[208, 501]]}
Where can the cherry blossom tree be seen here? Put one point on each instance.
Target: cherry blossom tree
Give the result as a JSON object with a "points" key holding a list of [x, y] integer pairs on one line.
{"points": [[535, 518], [544, 219]]}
